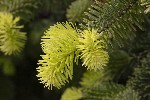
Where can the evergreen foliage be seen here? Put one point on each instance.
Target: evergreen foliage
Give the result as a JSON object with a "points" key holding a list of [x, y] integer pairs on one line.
{"points": [[9, 30], [59, 45], [120, 25], [72, 94], [93, 50], [141, 78], [23, 8], [116, 19], [109, 38], [128, 94], [101, 26], [75, 12], [61, 53], [95, 85], [147, 4], [118, 62], [101, 91], [106, 24], [12, 40], [91, 77]]}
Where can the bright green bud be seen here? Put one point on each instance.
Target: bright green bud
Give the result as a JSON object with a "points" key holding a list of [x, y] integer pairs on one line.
{"points": [[93, 51]]}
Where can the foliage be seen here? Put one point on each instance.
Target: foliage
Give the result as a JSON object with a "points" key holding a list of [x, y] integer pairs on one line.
{"points": [[110, 38], [119, 60], [59, 45], [106, 24], [95, 85], [91, 77], [147, 4], [116, 19], [12, 40], [141, 78], [127, 94], [76, 10], [103, 91], [93, 50], [23, 8], [72, 94]]}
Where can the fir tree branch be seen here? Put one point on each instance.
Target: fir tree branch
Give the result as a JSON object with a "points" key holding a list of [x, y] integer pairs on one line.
{"points": [[59, 45], [116, 19]]}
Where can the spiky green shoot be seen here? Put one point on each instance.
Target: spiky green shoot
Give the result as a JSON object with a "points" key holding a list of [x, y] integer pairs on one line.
{"points": [[59, 45], [93, 51]]}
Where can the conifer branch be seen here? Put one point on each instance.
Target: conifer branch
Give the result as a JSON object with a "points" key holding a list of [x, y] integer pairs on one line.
{"points": [[59, 45], [116, 19], [62, 45]]}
